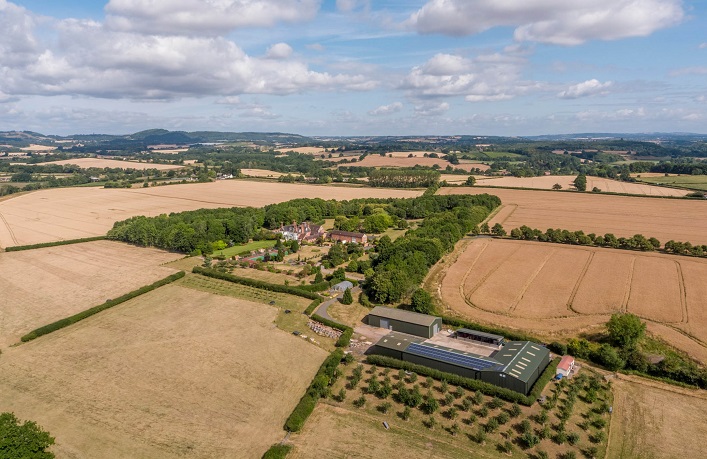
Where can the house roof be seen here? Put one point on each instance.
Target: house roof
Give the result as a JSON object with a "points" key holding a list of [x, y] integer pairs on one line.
{"points": [[565, 363], [404, 316], [346, 233]]}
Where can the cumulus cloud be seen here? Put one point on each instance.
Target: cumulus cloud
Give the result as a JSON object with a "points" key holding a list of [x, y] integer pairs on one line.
{"points": [[549, 21], [489, 77], [279, 51], [387, 109], [587, 88], [205, 16], [350, 5], [431, 109]]}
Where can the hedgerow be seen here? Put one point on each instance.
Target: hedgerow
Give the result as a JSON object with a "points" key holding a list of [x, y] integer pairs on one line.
{"points": [[467, 383], [292, 290], [511, 335], [345, 337], [278, 451], [317, 389], [59, 324], [18, 248], [312, 306], [545, 377]]}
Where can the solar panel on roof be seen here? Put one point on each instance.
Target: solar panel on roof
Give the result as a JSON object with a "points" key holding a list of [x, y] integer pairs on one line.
{"points": [[450, 357]]}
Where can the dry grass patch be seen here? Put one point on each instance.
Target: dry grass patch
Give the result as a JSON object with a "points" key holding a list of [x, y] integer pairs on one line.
{"points": [[665, 219], [85, 163], [261, 173], [613, 272], [173, 373], [566, 182], [43, 285], [397, 161], [73, 213], [656, 291]]}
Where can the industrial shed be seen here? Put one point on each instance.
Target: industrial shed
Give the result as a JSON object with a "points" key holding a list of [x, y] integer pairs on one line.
{"points": [[516, 366], [399, 320]]}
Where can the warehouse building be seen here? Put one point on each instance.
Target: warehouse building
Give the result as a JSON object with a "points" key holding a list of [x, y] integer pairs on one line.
{"points": [[516, 366], [409, 322]]}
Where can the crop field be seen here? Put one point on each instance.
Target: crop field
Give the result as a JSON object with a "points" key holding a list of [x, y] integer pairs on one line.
{"points": [[171, 374], [261, 173], [303, 150], [656, 421], [566, 182], [72, 213], [404, 161], [694, 182], [553, 289], [85, 163], [43, 285], [624, 216]]}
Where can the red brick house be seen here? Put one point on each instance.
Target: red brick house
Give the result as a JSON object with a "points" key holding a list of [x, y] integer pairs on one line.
{"points": [[348, 237]]}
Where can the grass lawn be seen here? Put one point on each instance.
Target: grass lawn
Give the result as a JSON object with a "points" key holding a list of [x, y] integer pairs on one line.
{"points": [[236, 249], [693, 182]]}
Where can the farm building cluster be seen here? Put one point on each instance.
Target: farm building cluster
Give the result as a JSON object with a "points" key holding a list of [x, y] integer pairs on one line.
{"points": [[514, 365], [308, 232]]}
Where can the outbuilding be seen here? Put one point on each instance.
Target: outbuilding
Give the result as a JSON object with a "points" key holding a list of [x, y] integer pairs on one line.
{"points": [[565, 366], [342, 286], [399, 320]]}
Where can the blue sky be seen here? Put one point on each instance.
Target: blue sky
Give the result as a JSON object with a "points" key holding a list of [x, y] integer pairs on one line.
{"points": [[354, 67]]}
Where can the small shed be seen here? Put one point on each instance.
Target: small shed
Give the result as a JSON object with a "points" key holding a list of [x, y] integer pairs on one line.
{"points": [[412, 323], [342, 286], [565, 366]]}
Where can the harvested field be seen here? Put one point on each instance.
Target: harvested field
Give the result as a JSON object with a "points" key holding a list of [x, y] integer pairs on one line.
{"points": [[72, 213], [656, 421], [558, 290], [566, 182], [261, 173], [85, 163], [34, 147], [303, 150], [624, 216], [385, 161], [157, 377], [43, 285]]}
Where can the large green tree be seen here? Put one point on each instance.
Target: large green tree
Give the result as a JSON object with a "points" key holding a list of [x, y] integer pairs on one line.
{"points": [[422, 301], [581, 182], [23, 440], [347, 298], [625, 330]]}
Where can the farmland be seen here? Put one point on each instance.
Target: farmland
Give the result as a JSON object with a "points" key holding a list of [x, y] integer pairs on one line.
{"points": [[86, 163], [43, 285], [552, 289], [624, 216], [693, 182], [404, 161], [566, 182], [160, 377], [72, 213]]}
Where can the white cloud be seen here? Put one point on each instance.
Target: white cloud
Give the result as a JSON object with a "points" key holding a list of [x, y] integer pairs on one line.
{"points": [[587, 88], [702, 45], [316, 47], [350, 5], [279, 51], [431, 109], [386, 109], [17, 42], [550, 21], [205, 17], [699, 70]]}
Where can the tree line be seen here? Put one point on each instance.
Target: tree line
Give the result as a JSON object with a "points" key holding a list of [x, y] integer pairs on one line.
{"points": [[403, 178]]}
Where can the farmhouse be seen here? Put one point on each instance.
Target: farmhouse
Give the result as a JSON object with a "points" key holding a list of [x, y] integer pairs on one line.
{"points": [[565, 366], [516, 366], [348, 237], [409, 322], [303, 232]]}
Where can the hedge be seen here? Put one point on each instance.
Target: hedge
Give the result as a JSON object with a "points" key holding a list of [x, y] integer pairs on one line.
{"points": [[318, 287], [314, 392], [312, 306], [511, 335], [17, 248], [277, 451], [467, 383], [59, 324], [256, 283], [544, 378], [345, 337]]}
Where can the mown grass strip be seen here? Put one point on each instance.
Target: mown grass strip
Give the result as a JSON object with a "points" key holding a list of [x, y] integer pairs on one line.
{"points": [[59, 324], [18, 248]]}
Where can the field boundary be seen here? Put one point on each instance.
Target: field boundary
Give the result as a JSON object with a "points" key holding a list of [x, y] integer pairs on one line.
{"points": [[18, 248], [604, 193], [256, 283], [62, 323]]}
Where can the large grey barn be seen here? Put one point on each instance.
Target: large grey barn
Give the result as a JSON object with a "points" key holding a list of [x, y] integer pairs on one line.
{"points": [[516, 366], [409, 322]]}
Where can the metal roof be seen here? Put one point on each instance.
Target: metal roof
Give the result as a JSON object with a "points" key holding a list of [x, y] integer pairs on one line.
{"points": [[453, 356], [398, 341], [343, 285], [479, 333], [404, 316], [520, 359]]}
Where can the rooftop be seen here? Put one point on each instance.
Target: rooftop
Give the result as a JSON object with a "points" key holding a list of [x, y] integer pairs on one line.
{"points": [[398, 341], [479, 333], [520, 358], [565, 363], [345, 233], [403, 316]]}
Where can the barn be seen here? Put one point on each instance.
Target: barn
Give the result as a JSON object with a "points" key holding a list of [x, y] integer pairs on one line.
{"points": [[516, 366], [399, 320]]}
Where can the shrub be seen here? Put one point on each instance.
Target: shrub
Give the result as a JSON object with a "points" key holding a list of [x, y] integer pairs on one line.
{"points": [[384, 407], [360, 402], [405, 414], [573, 438], [515, 410]]}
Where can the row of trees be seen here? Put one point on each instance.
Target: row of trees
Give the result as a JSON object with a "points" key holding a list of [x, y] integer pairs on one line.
{"points": [[403, 178]]}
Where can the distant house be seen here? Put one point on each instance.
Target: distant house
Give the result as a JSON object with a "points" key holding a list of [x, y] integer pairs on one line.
{"points": [[303, 232], [341, 286], [348, 237], [565, 366]]}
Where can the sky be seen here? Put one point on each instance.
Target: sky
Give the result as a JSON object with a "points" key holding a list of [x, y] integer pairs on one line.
{"points": [[354, 67]]}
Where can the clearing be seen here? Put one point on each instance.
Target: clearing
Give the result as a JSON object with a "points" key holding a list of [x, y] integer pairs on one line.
{"points": [[174, 373], [72, 213], [558, 290], [43, 285], [624, 216], [86, 163]]}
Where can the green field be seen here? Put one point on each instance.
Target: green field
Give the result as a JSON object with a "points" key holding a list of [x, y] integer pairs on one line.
{"points": [[692, 182], [236, 249], [492, 155]]}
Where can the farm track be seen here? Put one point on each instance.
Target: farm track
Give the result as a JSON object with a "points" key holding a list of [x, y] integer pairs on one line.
{"points": [[580, 279], [683, 293], [530, 280], [629, 283], [9, 229]]}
